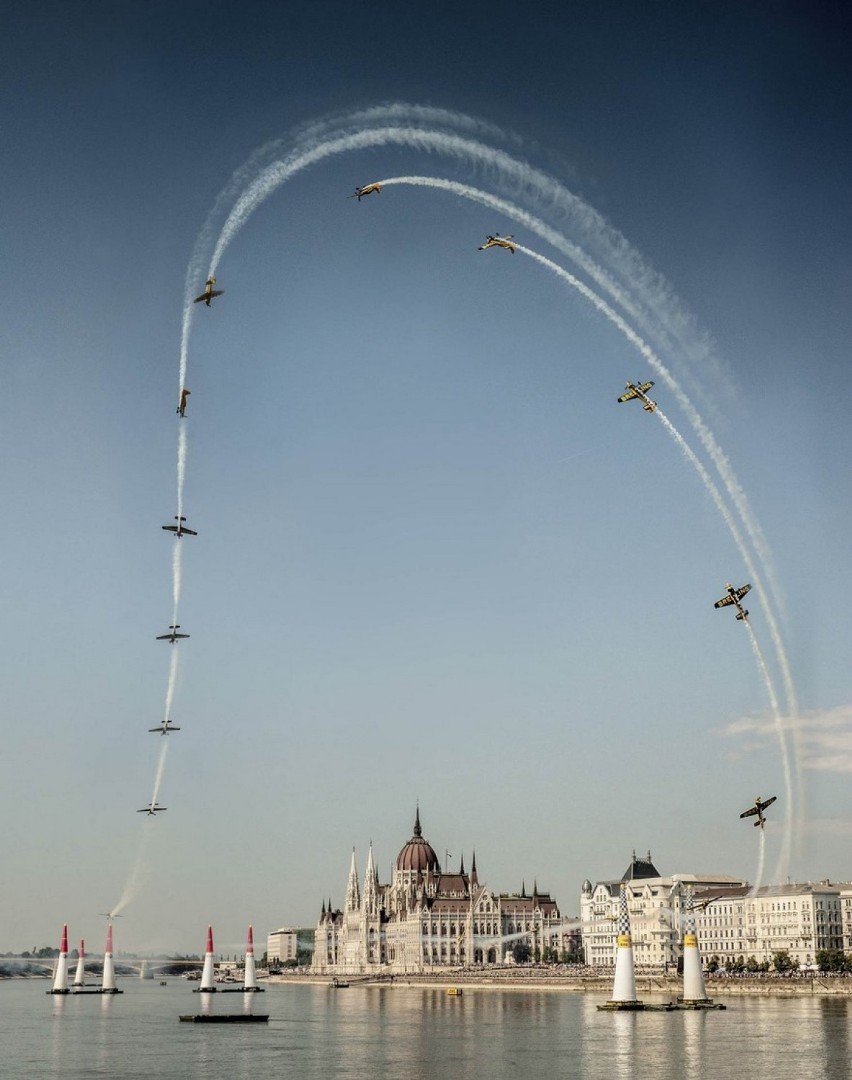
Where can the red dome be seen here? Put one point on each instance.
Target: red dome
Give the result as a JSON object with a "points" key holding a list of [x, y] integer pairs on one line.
{"points": [[418, 855]]}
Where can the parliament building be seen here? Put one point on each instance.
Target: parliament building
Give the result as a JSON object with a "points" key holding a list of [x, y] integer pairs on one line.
{"points": [[426, 919]]}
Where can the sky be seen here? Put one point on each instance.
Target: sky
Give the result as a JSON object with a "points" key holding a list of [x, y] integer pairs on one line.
{"points": [[436, 561]]}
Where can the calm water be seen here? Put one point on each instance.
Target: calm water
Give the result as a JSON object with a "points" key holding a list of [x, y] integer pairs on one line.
{"points": [[411, 1034]]}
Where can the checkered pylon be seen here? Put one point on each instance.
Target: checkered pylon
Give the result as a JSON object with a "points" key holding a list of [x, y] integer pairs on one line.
{"points": [[689, 911], [623, 916]]}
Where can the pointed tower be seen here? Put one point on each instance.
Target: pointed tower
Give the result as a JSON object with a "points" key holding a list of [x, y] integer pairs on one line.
{"points": [[250, 977], [207, 975], [371, 892], [80, 974], [624, 987], [694, 992], [353, 890], [108, 978], [474, 877], [461, 865], [60, 976]]}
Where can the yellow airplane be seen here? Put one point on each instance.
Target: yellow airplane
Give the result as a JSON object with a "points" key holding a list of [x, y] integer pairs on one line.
{"points": [[367, 189], [639, 390], [209, 292], [498, 241], [181, 409]]}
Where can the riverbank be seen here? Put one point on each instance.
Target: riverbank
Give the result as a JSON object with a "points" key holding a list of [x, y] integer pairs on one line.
{"points": [[811, 985]]}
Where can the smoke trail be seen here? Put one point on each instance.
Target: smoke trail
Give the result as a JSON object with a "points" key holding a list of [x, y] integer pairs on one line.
{"points": [[170, 687], [181, 468], [784, 856], [176, 578], [161, 765], [761, 860], [136, 875]]}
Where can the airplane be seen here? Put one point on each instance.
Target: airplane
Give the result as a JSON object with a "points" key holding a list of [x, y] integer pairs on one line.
{"points": [[734, 596], [639, 390], [367, 189], [165, 727], [173, 636], [498, 241], [111, 914], [181, 409], [151, 809], [758, 808], [180, 529], [209, 292]]}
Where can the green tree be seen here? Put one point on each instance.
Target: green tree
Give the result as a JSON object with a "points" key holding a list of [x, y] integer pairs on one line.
{"points": [[521, 952], [782, 961], [751, 965]]}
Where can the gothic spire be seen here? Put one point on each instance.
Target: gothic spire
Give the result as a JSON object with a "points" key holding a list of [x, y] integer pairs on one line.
{"points": [[417, 830]]}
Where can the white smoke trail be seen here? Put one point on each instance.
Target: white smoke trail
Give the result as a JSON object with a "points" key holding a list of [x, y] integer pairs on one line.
{"points": [[784, 855], [161, 765], [170, 686], [181, 468], [761, 862], [723, 509], [136, 874], [321, 145], [176, 578]]}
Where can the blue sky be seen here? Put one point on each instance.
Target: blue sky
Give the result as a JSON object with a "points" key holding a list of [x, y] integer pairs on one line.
{"points": [[435, 559]]}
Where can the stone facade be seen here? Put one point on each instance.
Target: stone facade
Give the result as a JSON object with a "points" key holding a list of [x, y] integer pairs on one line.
{"points": [[425, 919]]}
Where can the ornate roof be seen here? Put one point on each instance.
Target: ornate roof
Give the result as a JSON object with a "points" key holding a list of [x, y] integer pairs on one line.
{"points": [[418, 855]]}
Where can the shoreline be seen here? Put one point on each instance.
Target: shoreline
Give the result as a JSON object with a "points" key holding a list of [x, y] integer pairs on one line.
{"points": [[650, 985]]}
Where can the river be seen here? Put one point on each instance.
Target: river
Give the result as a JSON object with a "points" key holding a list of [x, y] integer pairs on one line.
{"points": [[411, 1033]]}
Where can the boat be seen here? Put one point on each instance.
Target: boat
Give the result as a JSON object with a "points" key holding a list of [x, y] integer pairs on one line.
{"points": [[454, 991]]}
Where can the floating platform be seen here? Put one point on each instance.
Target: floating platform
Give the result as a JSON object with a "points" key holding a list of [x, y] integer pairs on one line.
{"points": [[206, 990], [698, 1003], [225, 1018], [454, 991], [243, 990], [635, 1006], [65, 991]]}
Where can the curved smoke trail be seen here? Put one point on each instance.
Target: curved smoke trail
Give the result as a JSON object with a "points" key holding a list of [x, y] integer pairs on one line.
{"points": [[324, 140], [344, 134], [784, 856], [136, 875]]}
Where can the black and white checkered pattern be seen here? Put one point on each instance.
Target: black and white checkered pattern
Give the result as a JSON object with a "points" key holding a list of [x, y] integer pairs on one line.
{"points": [[623, 916]]}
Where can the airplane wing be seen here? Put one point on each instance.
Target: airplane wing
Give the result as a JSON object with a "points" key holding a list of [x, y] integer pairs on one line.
{"points": [[215, 292], [750, 812], [163, 637], [769, 802], [189, 532], [645, 387], [169, 528], [198, 299], [724, 601], [629, 395], [741, 592]]}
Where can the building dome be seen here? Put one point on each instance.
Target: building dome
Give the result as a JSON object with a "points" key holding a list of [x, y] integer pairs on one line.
{"points": [[417, 855], [587, 887]]}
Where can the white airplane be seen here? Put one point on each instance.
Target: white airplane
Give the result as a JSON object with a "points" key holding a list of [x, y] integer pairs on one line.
{"points": [[173, 636], [151, 809], [180, 529], [209, 292]]}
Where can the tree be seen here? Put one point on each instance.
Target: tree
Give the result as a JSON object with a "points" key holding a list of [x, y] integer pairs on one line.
{"points": [[782, 961], [713, 964], [521, 952], [751, 965]]}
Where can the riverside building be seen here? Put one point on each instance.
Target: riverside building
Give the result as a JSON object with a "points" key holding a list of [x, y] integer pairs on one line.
{"points": [[655, 904], [732, 922], [426, 919]]}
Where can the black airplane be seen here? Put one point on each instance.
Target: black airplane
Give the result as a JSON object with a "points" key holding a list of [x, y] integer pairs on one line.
{"points": [[180, 529], [165, 727], [151, 809], [734, 596], [209, 292], [173, 636], [758, 808]]}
